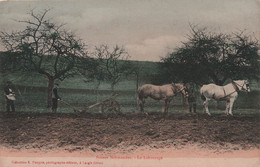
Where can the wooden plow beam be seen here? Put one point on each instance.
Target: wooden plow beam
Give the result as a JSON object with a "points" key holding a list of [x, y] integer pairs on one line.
{"points": [[105, 105]]}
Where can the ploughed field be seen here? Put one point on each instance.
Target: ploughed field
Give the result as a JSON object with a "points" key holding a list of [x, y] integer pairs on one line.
{"points": [[98, 132]]}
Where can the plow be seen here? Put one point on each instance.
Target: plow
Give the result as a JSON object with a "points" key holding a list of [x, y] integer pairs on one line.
{"points": [[108, 104]]}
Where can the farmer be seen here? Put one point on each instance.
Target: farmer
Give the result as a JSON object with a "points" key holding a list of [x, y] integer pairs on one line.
{"points": [[55, 97], [9, 97], [191, 99]]}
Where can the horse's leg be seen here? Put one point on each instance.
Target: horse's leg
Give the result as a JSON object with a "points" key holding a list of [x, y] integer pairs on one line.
{"points": [[168, 104], [231, 105], [227, 106], [141, 104], [205, 104], [164, 106]]}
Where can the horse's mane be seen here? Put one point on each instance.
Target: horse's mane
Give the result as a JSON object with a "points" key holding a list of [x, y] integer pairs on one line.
{"points": [[178, 85]]}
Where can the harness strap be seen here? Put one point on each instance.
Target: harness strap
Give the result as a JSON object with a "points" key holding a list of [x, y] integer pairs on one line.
{"points": [[224, 91]]}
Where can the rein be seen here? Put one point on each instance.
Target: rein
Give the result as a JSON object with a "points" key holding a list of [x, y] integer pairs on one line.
{"points": [[228, 94]]}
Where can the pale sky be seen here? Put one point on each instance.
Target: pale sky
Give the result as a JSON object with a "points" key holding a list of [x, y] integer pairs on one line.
{"points": [[148, 29]]}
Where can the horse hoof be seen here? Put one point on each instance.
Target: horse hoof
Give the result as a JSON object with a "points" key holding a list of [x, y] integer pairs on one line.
{"points": [[228, 114]]}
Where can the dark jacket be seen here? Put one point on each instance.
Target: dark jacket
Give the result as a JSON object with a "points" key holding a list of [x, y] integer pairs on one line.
{"points": [[55, 93]]}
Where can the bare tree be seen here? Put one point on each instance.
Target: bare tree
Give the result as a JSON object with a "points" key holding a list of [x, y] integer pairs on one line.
{"points": [[113, 64], [208, 56], [46, 48]]}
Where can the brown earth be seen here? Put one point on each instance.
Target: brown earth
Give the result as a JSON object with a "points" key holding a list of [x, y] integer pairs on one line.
{"points": [[128, 132]]}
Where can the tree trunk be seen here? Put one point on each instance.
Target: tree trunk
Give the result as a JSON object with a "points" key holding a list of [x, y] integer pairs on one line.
{"points": [[113, 88], [137, 82], [50, 83]]}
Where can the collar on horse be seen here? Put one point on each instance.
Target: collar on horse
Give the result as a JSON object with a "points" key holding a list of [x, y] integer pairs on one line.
{"points": [[235, 86]]}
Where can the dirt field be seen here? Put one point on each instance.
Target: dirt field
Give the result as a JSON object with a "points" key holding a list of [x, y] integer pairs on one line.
{"points": [[97, 133]]}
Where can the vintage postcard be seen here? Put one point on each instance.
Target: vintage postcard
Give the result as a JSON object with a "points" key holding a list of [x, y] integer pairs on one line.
{"points": [[110, 83]]}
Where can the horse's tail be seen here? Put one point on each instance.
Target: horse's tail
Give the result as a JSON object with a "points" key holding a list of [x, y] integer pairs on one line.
{"points": [[202, 95], [138, 95], [137, 99]]}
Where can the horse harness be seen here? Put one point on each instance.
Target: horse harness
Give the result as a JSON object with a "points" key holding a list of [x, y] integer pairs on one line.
{"points": [[242, 87], [178, 90], [235, 86]]}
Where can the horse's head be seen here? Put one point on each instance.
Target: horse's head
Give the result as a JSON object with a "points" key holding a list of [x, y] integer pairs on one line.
{"points": [[185, 92], [181, 88], [246, 86], [243, 85]]}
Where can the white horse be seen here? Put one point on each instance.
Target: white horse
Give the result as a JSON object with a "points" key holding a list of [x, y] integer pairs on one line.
{"points": [[164, 93], [228, 93]]}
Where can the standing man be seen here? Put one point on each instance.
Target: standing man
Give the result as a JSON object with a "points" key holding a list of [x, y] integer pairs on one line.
{"points": [[192, 99], [55, 98], [9, 97]]}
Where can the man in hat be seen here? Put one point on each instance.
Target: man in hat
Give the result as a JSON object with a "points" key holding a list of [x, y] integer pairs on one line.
{"points": [[55, 98], [9, 97]]}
